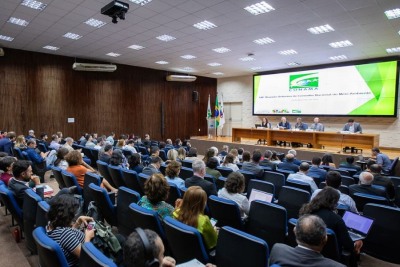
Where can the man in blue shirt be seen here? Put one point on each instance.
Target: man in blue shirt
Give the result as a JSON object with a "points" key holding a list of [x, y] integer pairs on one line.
{"points": [[315, 171], [7, 143], [381, 159], [33, 154]]}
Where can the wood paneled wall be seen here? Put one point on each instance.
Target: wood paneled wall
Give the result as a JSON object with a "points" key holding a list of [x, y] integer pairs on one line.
{"points": [[40, 91]]}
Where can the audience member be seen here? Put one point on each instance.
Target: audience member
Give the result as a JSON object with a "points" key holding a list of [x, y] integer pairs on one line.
{"points": [[240, 154], [224, 151], [153, 167], [118, 159], [365, 186], [156, 190], [381, 159], [235, 153], [233, 189], [172, 174], [6, 165], [33, 154], [110, 138], [89, 141], [302, 176], [60, 161], [31, 134], [383, 181], [288, 164], [211, 168], [192, 155], [350, 164], [120, 144], [172, 155], [68, 143], [20, 142], [315, 171], [267, 162], [199, 171], [254, 166], [181, 153], [130, 145], [6, 144], [135, 163], [106, 155], [295, 160], [275, 158], [42, 140], [327, 160], [55, 142], [310, 232], [229, 163]]}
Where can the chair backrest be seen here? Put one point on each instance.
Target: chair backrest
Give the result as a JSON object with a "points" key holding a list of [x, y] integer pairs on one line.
{"points": [[225, 211], [260, 185], [236, 249], [50, 253], [103, 169], [392, 167], [146, 219], [347, 180], [185, 242], [127, 153], [174, 194], [224, 170], [29, 208], [185, 173], [18, 153], [104, 204], [70, 180], [11, 204], [131, 180], [90, 177], [267, 221], [343, 172], [349, 170], [344, 189], [284, 172], [211, 179], [248, 176], [95, 154], [143, 150], [362, 199], [292, 199], [116, 175], [187, 163], [383, 241], [41, 213], [142, 180], [57, 174], [91, 256], [299, 184], [163, 155], [331, 249], [277, 179], [125, 197], [220, 183]]}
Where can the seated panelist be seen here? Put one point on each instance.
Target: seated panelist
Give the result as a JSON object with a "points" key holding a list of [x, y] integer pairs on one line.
{"points": [[352, 127], [284, 124]]}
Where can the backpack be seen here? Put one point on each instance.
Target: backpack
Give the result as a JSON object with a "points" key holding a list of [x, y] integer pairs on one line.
{"points": [[92, 211], [107, 242]]}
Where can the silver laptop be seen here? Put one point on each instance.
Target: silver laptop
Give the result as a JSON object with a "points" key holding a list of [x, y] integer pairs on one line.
{"points": [[260, 195], [357, 225]]}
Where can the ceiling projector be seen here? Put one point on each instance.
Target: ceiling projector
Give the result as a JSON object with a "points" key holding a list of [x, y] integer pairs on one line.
{"points": [[115, 9]]}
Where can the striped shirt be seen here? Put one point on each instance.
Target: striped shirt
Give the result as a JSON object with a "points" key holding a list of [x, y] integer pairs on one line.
{"points": [[69, 239]]}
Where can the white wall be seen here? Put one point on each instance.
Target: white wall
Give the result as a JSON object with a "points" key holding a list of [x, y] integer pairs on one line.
{"points": [[240, 89]]}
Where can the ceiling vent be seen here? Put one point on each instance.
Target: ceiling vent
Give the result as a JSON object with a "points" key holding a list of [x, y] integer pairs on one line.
{"points": [[94, 67], [181, 78]]}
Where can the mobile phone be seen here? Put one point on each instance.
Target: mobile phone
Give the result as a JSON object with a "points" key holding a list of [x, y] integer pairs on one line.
{"points": [[91, 225], [213, 221]]}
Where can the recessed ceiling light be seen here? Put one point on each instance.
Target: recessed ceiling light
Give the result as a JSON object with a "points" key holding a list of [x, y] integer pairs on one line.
{"points": [[17, 21], [259, 8], [293, 64], [95, 23], [336, 58], [140, 2], [72, 36], [162, 62], [393, 50], [34, 4], [188, 57], [136, 47], [112, 54], [264, 41], [321, 29], [256, 68], [49, 47], [6, 38], [214, 64], [221, 50], [204, 25], [288, 52], [218, 73], [165, 38], [393, 14], [188, 69], [341, 44], [247, 59]]}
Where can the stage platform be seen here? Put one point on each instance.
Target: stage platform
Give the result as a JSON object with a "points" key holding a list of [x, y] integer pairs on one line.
{"points": [[202, 143]]}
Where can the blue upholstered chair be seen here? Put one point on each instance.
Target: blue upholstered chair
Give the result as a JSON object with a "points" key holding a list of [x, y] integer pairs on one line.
{"points": [[225, 211], [92, 257], [292, 199], [41, 213], [50, 253]]}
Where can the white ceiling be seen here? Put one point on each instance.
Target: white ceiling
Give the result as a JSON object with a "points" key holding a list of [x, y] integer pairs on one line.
{"points": [[362, 22]]}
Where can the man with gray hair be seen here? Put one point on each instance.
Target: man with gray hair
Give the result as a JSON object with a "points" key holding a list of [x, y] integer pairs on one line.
{"points": [[310, 232], [301, 176], [68, 144], [294, 153], [199, 171], [365, 186]]}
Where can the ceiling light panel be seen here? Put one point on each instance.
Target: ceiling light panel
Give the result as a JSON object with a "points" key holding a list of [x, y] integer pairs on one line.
{"points": [[95, 23], [256, 68], [321, 29], [17, 21], [264, 41], [140, 2], [112, 54], [221, 50], [393, 14], [341, 44], [214, 64], [188, 57], [204, 25], [288, 52], [393, 50], [337, 58], [34, 4], [161, 62], [188, 69], [293, 64], [247, 59], [259, 8], [165, 38], [6, 38], [72, 36], [218, 73], [49, 47], [136, 47]]}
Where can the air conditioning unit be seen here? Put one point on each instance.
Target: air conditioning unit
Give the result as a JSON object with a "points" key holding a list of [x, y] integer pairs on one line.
{"points": [[181, 78], [94, 67]]}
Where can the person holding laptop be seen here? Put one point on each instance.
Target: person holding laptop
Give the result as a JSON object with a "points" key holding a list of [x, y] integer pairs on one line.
{"points": [[324, 205]]}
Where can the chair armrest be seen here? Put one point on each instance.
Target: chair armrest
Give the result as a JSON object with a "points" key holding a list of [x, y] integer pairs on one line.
{"points": [[112, 197]]}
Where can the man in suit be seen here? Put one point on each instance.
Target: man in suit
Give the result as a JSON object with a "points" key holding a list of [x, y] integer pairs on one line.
{"points": [[266, 162], [315, 171], [353, 127], [317, 126], [36, 157], [7, 143], [199, 171], [310, 232], [284, 124], [288, 164], [154, 166], [365, 186]]}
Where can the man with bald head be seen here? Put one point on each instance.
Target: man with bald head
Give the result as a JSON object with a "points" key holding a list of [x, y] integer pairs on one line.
{"points": [[365, 186], [288, 164], [310, 232], [301, 176]]}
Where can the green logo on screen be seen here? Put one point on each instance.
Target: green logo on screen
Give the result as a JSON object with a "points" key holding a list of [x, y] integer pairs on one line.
{"points": [[304, 82]]}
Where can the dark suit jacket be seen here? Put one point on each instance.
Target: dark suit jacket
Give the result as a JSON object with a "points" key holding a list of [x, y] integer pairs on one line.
{"points": [[268, 163], [285, 125], [284, 255], [6, 145], [288, 166], [385, 182], [367, 189], [254, 168], [357, 127], [206, 185]]}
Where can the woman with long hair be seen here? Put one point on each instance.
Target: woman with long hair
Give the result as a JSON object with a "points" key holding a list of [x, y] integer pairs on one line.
{"points": [[190, 211], [6, 165], [209, 154], [172, 174], [181, 153], [118, 159], [135, 163], [63, 229], [172, 155], [327, 160], [324, 206], [228, 163], [20, 142]]}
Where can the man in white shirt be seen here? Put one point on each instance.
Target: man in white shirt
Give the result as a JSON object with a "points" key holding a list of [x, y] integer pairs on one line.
{"points": [[302, 176], [130, 145]]}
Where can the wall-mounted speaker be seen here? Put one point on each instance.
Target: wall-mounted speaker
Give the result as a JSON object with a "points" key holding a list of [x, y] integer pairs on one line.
{"points": [[195, 96]]}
